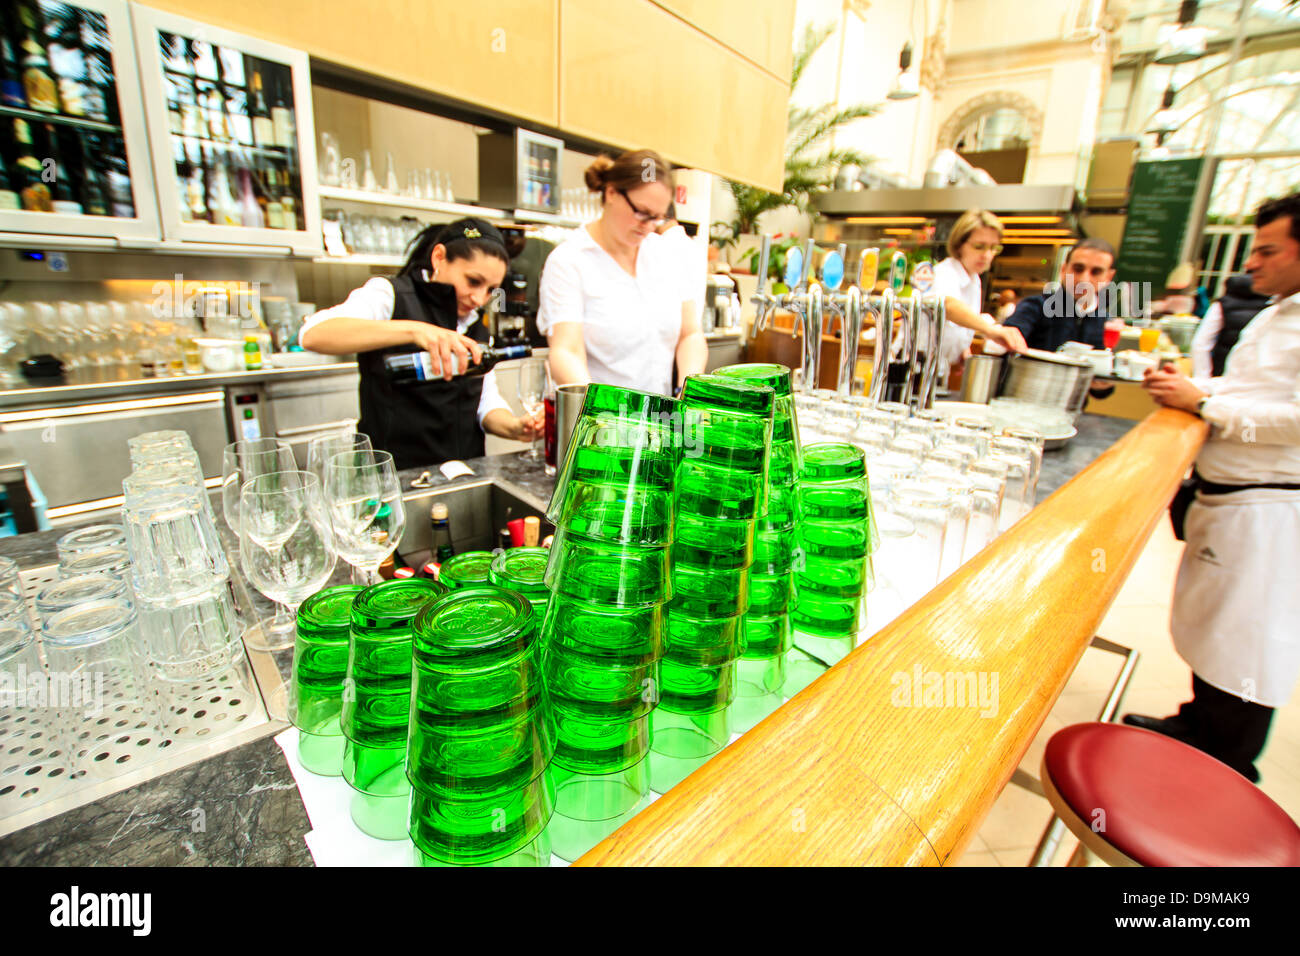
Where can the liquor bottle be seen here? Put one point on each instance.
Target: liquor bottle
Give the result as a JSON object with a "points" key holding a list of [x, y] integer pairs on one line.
{"points": [[440, 525], [252, 352], [67, 61], [288, 203], [94, 198], [63, 200], [282, 118], [415, 368], [215, 108], [238, 124], [221, 200], [32, 187], [263, 128], [11, 75], [274, 207], [250, 213], [118, 179], [42, 94], [8, 197], [195, 194], [100, 88]]}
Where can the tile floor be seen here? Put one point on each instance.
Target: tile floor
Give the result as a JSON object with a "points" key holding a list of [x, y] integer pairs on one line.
{"points": [[1139, 618]]}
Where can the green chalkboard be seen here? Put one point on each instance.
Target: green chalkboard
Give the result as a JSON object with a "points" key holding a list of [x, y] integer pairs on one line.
{"points": [[1159, 207]]}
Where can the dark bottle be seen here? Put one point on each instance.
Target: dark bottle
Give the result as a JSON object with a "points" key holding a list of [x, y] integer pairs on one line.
{"points": [[415, 368], [260, 113], [63, 200], [30, 173], [440, 541], [94, 196], [100, 85], [11, 75], [8, 197]]}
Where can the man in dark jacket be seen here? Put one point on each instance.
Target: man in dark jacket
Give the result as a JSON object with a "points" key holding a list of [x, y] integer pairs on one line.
{"points": [[1073, 311], [1223, 322]]}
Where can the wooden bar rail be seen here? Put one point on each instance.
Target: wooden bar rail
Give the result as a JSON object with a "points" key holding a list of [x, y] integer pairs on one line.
{"points": [[855, 769]]}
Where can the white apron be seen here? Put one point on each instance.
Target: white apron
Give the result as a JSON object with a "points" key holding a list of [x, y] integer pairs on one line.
{"points": [[1236, 614]]}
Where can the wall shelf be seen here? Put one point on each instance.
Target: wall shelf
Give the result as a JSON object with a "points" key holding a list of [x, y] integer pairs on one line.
{"points": [[369, 198]]}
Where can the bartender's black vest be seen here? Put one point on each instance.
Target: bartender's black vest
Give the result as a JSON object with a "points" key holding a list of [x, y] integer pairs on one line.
{"points": [[423, 424], [1240, 304]]}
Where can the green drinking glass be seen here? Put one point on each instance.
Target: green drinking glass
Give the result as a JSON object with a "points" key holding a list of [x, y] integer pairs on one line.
{"points": [[320, 666], [467, 569], [709, 592], [759, 684], [680, 743], [611, 513], [481, 735], [598, 689], [728, 422], [773, 552], [523, 570], [708, 491], [711, 543], [604, 573], [377, 702], [765, 637], [691, 689], [589, 807], [832, 461], [621, 635], [696, 641], [770, 594]]}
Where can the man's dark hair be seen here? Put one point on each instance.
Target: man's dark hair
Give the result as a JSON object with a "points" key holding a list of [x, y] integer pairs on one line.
{"points": [[1101, 245], [1272, 209]]}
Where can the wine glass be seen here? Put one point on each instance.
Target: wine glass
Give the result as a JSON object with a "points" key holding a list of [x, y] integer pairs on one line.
{"points": [[532, 387], [285, 545], [241, 462], [324, 447], [364, 498]]}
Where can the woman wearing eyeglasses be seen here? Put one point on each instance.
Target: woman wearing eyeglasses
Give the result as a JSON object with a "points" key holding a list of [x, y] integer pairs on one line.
{"points": [[975, 239], [615, 303]]}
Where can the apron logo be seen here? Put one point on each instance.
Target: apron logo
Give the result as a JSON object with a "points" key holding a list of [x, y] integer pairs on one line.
{"points": [[1207, 555]]}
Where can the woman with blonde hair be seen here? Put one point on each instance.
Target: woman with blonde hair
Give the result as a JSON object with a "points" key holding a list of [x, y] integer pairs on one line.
{"points": [[615, 304], [976, 237]]}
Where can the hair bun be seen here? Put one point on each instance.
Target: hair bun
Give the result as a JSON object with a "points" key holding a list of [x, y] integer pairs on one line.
{"points": [[594, 175]]}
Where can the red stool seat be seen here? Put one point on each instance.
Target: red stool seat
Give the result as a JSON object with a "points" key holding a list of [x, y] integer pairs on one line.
{"points": [[1165, 803]]}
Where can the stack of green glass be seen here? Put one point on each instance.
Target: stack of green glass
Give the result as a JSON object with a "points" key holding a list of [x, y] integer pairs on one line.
{"points": [[467, 569], [760, 672], [603, 633], [721, 488], [523, 570], [481, 735], [320, 665], [833, 544], [377, 702]]}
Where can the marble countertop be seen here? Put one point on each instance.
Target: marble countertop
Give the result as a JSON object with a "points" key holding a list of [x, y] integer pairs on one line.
{"points": [[252, 812]]}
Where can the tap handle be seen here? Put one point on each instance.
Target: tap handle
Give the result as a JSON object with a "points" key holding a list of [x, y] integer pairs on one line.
{"points": [[764, 255], [868, 269], [843, 250], [809, 247], [897, 272]]}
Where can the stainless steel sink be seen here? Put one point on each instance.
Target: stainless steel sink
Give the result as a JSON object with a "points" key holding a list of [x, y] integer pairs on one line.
{"points": [[475, 511]]}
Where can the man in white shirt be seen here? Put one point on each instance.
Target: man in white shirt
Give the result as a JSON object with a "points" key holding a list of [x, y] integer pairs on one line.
{"points": [[1235, 607]]}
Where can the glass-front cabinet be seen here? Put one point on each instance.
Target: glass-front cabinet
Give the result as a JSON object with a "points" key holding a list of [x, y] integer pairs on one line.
{"points": [[74, 155], [230, 121]]}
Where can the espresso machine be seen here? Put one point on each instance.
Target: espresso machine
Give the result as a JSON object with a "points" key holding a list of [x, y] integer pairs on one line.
{"points": [[721, 304], [510, 316]]}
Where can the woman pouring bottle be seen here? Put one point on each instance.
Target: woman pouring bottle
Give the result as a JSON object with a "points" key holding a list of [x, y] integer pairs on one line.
{"points": [[615, 303], [431, 305]]}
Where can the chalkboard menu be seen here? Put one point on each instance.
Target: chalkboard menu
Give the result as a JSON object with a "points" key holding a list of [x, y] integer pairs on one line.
{"points": [[1159, 207]]}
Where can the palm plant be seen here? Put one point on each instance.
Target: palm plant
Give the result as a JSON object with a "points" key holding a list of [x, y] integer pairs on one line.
{"points": [[810, 161]]}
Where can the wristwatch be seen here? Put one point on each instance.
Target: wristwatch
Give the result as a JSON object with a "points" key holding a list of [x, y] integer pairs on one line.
{"points": [[1200, 406]]}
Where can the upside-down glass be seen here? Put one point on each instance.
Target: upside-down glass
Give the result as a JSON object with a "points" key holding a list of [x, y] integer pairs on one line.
{"points": [[961, 503], [93, 538], [926, 507], [320, 665], [363, 496], [1036, 441], [285, 545], [175, 551], [990, 478]]}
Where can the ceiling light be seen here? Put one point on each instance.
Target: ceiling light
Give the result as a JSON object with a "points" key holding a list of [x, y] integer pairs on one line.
{"points": [[905, 85]]}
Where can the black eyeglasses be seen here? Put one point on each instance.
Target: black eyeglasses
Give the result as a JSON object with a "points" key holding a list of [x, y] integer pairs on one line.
{"points": [[641, 214]]}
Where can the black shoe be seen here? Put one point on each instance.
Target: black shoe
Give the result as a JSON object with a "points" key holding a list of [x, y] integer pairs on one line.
{"points": [[1173, 727]]}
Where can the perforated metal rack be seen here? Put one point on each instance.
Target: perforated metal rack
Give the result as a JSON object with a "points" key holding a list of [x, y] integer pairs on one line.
{"points": [[44, 769]]}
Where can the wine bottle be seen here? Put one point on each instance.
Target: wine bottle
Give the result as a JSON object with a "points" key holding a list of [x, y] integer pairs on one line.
{"points": [[67, 61], [42, 94], [415, 368], [440, 547], [11, 76], [94, 198], [195, 191], [62, 199], [100, 86], [288, 203], [118, 179], [250, 213], [274, 207], [282, 118], [8, 197], [33, 189], [263, 128]]}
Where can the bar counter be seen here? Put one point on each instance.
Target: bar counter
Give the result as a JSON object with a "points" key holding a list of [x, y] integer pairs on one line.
{"points": [[255, 817]]}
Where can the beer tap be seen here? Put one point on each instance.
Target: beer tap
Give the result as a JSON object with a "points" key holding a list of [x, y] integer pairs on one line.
{"points": [[764, 303], [932, 308], [848, 306]]}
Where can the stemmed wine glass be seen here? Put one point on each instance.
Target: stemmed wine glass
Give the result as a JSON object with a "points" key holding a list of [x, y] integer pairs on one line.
{"points": [[241, 462], [363, 496], [324, 447], [285, 545], [532, 388]]}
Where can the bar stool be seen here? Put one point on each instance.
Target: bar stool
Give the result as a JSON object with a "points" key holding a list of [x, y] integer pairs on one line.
{"points": [[1158, 802]]}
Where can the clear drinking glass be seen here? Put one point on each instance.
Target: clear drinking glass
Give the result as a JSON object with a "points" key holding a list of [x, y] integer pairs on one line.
{"points": [[926, 507], [961, 503], [1015, 500], [285, 545], [324, 447], [241, 462], [363, 498], [532, 387], [990, 478], [1034, 442]]}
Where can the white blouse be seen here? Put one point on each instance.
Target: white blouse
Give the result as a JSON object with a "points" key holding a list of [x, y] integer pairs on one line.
{"points": [[630, 324], [375, 301], [952, 279]]}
